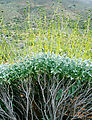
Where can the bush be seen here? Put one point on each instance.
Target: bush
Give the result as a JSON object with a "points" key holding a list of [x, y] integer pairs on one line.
{"points": [[76, 69], [47, 87]]}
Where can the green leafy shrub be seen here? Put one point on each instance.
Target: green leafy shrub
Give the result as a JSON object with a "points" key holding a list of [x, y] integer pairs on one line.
{"points": [[52, 64], [46, 87]]}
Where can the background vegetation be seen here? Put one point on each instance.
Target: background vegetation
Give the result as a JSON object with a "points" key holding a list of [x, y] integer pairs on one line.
{"points": [[42, 31]]}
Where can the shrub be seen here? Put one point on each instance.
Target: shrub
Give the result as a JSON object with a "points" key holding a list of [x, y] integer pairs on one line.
{"points": [[51, 64], [47, 87]]}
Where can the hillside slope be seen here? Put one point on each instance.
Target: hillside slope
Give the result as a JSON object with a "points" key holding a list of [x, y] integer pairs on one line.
{"points": [[13, 9]]}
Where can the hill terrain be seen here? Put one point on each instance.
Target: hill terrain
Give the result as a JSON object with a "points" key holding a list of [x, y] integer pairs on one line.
{"points": [[13, 9]]}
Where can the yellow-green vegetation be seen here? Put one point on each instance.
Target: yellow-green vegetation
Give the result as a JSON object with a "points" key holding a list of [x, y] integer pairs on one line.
{"points": [[44, 33]]}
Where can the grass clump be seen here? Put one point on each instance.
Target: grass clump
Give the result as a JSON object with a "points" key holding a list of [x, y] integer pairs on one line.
{"points": [[45, 33]]}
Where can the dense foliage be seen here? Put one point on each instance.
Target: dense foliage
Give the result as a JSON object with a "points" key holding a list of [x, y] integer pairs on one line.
{"points": [[46, 87], [52, 64]]}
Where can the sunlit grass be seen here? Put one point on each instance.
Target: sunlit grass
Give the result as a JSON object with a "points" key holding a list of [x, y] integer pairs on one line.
{"points": [[44, 33]]}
